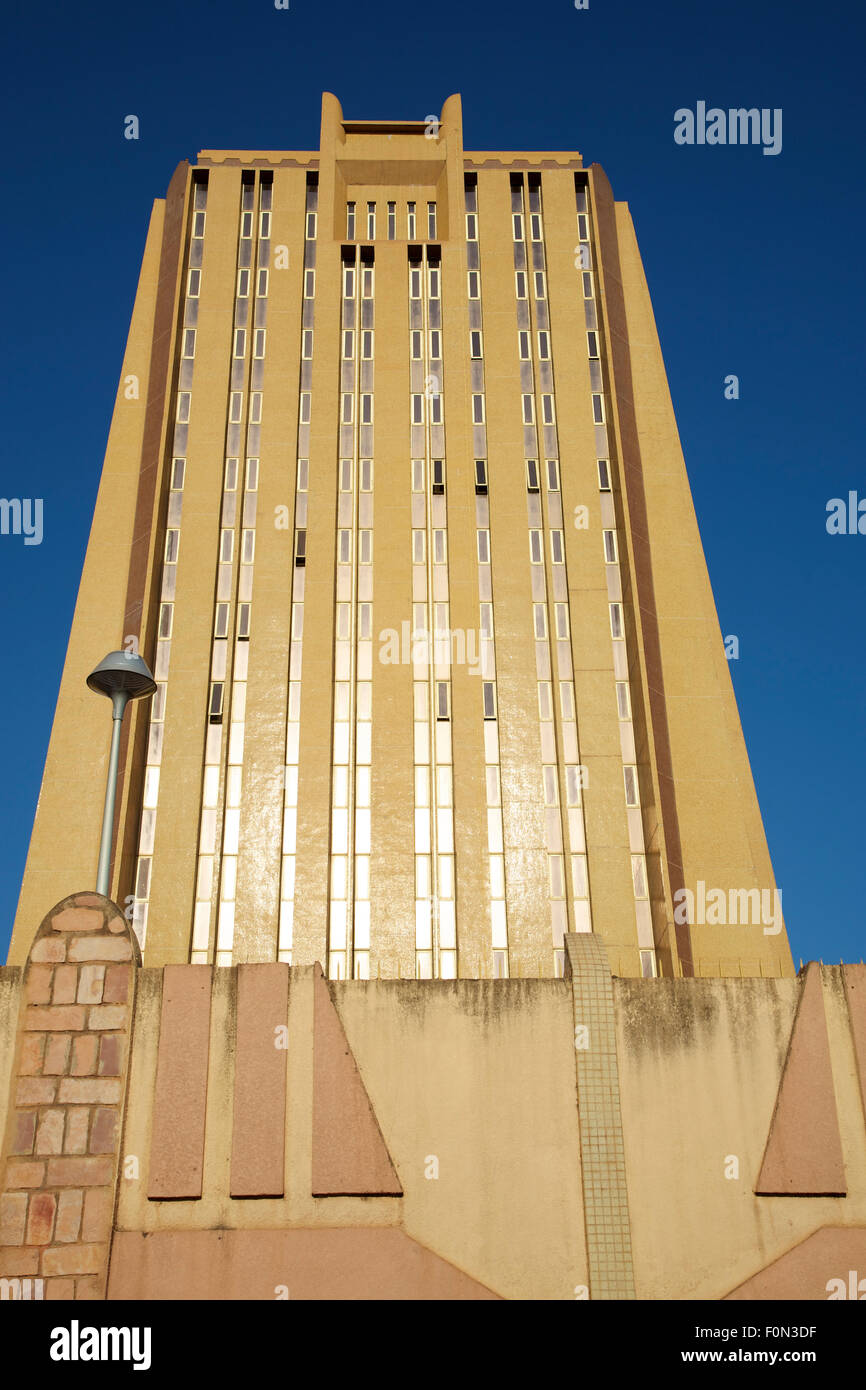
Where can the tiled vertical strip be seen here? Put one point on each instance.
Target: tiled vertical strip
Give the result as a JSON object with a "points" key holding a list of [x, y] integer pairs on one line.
{"points": [[156, 724], [610, 543], [299, 561], [486, 627], [602, 1153], [259, 1125], [59, 1175], [180, 1097]]}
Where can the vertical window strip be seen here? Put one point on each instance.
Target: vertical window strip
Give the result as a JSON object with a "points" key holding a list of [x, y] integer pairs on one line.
{"points": [[168, 587], [285, 936], [487, 647]]}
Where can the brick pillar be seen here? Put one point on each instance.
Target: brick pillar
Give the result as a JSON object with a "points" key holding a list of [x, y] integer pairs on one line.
{"points": [[60, 1155], [602, 1153]]}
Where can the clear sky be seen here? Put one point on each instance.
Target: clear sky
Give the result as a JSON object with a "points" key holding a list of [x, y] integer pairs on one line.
{"points": [[754, 262]]}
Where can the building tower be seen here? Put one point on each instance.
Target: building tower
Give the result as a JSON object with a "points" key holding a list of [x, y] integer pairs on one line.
{"points": [[395, 508]]}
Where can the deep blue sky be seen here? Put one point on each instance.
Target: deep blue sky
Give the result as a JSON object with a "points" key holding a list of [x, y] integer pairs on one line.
{"points": [[755, 265]]}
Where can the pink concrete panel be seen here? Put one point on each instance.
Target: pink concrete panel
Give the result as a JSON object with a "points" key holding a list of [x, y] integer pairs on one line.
{"points": [[349, 1153], [337, 1263], [258, 1134], [820, 1266], [180, 1101], [803, 1157]]}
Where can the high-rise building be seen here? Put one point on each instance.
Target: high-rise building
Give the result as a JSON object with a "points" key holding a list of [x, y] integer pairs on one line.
{"points": [[394, 506], [440, 819]]}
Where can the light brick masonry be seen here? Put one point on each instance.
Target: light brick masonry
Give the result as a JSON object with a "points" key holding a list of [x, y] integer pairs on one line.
{"points": [[60, 1155]]}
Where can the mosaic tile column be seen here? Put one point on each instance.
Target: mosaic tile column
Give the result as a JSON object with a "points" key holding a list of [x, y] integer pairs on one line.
{"points": [[60, 1155], [602, 1154]]}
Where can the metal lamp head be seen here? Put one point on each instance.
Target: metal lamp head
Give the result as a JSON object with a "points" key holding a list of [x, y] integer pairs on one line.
{"points": [[122, 673]]}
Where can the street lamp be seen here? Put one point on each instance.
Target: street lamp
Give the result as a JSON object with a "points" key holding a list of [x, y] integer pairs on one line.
{"points": [[122, 676]]}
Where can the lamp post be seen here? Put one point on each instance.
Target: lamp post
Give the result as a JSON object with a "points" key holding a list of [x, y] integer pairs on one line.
{"points": [[122, 676]]}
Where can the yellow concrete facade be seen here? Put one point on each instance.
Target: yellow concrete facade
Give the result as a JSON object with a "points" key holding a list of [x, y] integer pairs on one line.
{"points": [[398, 815]]}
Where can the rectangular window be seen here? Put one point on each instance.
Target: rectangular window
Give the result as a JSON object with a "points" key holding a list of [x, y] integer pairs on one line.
{"points": [[489, 699], [347, 408], [572, 786], [248, 547], [262, 287], [410, 221], [545, 701], [246, 225], [598, 408], [367, 344], [540, 287], [172, 547], [227, 547], [484, 547], [252, 475], [583, 226], [523, 346], [532, 482], [592, 344], [544, 346], [557, 553], [436, 410], [475, 344], [616, 620], [471, 227], [434, 282], [478, 410], [240, 342], [392, 221], [416, 345], [265, 225], [309, 284], [231, 477], [243, 284], [259, 343], [623, 700], [549, 783], [418, 547], [431, 221], [438, 477], [344, 547], [539, 619], [198, 224], [553, 475], [348, 342], [178, 470], [303, 474], [346, 475], [547, 410], [528, 413], [566, 699], [215, 705], [440, 553], [443, 700], [365, 547], [587, 284], [350, 221], [609, 547], [367, 408], [371, 221], [486, 619], [604, 475], [631, 786], [414, 283], [243, 632], [193, 284], [561, 616], [520, 284], [417, 410], [183, 400], [474, 282], [435, 344], [417, 475], [517, 226], [300, 548], [311, 226], [481, 477], [366, 475], [535, 227], [221, 620]]}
